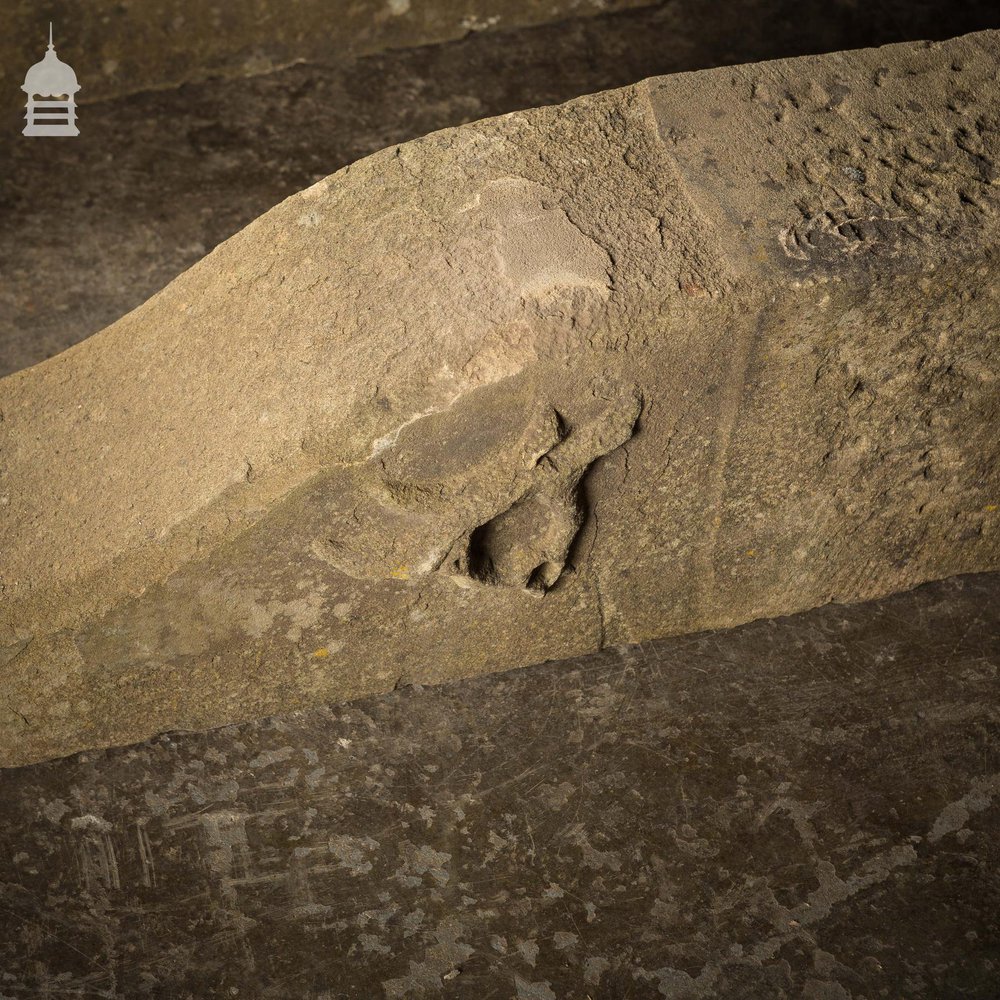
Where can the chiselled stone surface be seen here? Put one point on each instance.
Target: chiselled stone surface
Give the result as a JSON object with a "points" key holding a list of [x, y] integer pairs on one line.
{"points": [[802, 808], [717, 346], [117, 246]]}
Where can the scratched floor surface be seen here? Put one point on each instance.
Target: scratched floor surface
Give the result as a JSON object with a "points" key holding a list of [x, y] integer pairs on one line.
{"points": [[806, 807]]}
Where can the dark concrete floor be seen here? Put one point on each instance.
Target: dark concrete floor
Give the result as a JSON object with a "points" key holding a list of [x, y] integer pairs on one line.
{"points": [[91, 227], [806, 807]]}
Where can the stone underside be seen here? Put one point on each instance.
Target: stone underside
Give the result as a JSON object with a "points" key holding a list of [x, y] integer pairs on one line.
{"points": [[717, 346], [807, 807]]}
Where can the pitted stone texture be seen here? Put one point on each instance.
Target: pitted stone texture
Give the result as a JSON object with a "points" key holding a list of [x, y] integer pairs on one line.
{"points": [[117, 246], [714, 347]]}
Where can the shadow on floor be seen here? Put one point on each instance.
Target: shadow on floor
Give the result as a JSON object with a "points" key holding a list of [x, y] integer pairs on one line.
{"points": [[803, 807]]}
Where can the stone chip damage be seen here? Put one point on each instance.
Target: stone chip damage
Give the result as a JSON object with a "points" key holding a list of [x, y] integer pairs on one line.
{"points": [[718, 346]]}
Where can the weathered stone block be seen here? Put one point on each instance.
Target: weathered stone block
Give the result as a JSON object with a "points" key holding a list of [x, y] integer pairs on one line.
{"points": [[717, 346]]}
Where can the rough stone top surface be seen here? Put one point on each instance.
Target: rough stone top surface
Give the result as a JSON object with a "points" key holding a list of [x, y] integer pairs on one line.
{"points": [[385, 292]]}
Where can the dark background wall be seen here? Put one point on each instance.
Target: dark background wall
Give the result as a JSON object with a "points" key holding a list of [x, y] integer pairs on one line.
{"points": [[124, 46]]}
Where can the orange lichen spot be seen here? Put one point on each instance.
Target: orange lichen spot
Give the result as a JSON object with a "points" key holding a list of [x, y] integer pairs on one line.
{"points": [[990, 507], [321, 652], [751, 552], [400, 573]]}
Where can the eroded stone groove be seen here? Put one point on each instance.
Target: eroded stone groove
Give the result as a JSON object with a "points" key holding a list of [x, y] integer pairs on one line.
{"points": [[397, 418]]}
